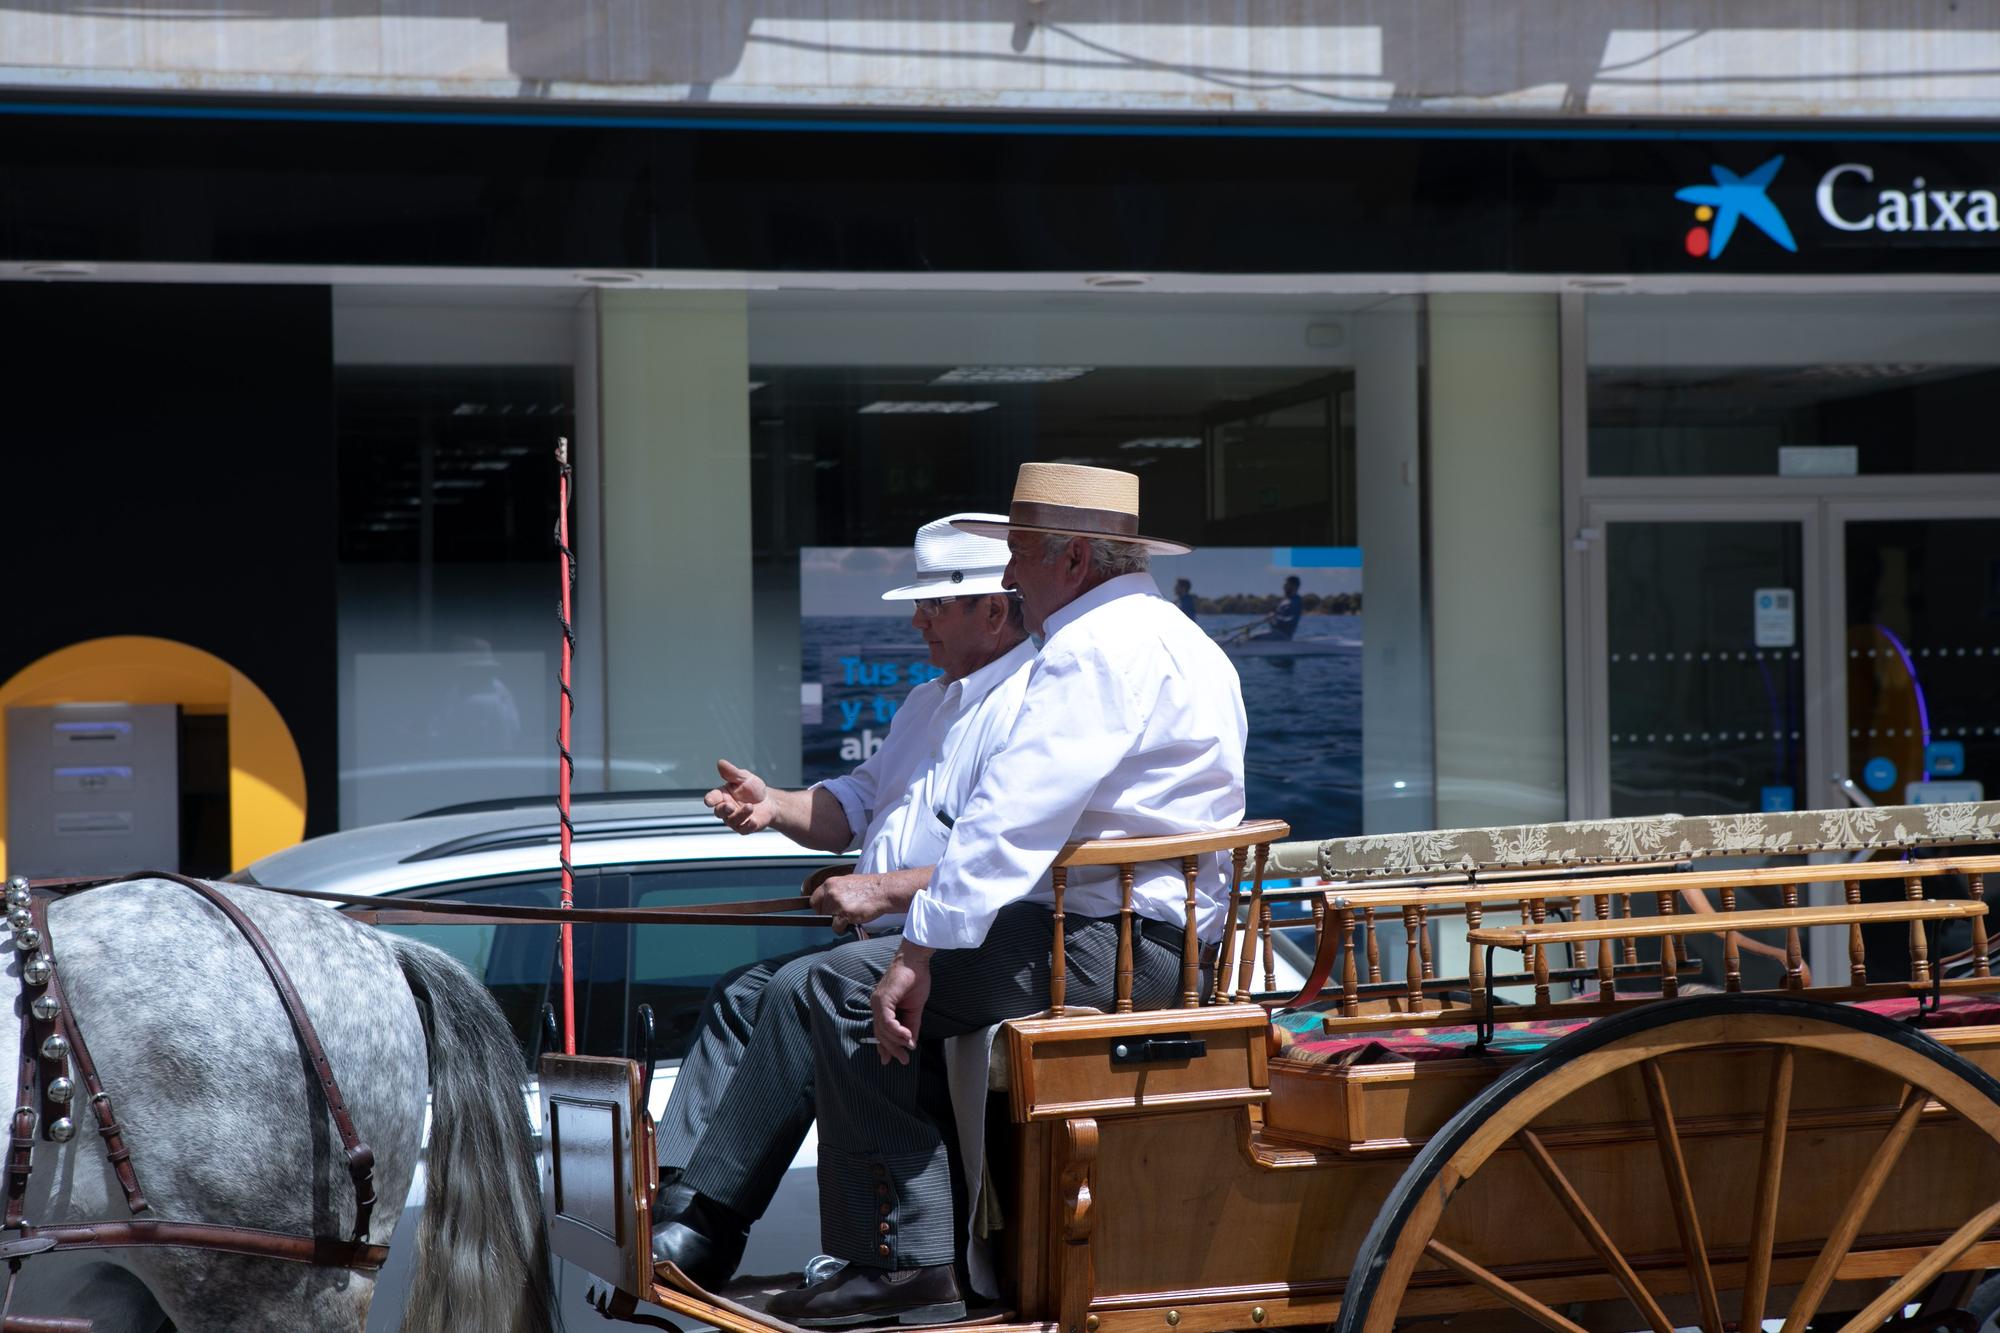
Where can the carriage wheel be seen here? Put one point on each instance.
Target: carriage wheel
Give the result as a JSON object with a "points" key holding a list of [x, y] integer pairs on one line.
{"points": [[1404, 1238]]}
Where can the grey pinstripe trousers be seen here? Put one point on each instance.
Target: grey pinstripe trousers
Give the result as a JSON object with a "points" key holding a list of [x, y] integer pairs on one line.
{"points": [[885, 1187], [735, 1005]]}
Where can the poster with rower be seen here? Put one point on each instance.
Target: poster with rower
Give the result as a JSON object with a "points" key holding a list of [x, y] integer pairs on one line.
{"points": [[1290, 618]]}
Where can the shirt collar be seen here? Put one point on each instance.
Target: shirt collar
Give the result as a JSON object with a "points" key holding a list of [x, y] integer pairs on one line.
{"points": [[973, 688], [1125, 585]]}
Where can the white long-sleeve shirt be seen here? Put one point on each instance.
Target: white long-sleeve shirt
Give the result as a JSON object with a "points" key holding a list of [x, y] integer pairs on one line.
{"points": [[898, 800], [1132, 724]]}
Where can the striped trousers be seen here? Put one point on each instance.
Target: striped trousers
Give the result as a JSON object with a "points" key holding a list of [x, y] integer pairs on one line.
{"points": [[771, 991], [885, 1187]]}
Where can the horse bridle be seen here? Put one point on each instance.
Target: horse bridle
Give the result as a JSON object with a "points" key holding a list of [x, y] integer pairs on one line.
{"points": [[52, 1043], [45, 1095]]}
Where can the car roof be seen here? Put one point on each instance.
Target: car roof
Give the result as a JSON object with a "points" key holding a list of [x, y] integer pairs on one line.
{"points": [[499, 838]]}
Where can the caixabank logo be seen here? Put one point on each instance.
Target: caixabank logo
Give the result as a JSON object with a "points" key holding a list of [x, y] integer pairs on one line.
{"points": [[1730, 200], [1851, 206]]}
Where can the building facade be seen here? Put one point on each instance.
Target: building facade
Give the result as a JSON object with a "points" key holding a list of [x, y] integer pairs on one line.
{"points": [[1617, 379]]}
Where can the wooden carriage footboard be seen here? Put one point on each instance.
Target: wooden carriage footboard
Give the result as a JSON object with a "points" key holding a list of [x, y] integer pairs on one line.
{"points": [[598, 1171]]}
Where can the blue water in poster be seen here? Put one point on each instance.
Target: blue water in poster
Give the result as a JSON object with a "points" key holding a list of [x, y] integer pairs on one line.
{"points": [[1302, 699]]}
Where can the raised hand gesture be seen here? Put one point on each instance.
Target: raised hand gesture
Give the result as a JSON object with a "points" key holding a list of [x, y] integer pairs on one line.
{"points": [[742, 801]]}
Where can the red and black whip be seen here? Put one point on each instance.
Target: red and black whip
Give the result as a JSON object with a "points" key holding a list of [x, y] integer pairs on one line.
{"points": [[565, 766]]}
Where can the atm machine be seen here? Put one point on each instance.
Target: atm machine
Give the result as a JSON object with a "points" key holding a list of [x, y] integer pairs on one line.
{"points": [[93, 789]]}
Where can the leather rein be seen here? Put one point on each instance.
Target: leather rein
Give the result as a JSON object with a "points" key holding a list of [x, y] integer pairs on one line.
{"points": [[52, 1044]]}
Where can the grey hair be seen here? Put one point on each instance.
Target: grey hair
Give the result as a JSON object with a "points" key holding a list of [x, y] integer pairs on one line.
{"points": [[1108, 558]]}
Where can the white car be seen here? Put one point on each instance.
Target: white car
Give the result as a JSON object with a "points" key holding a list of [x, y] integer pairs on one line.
{"points": [[629, 851]]}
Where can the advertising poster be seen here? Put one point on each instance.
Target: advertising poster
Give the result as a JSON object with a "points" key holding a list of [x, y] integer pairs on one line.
{"points": [[1301, 677]]}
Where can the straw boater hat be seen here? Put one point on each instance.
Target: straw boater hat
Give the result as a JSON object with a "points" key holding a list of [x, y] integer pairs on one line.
{"points": [[1075, 501], [951, 563]]}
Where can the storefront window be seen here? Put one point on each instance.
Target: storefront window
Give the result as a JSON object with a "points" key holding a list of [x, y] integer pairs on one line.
{"points": [[447, 580], [1810, 386], [1240, 428]]}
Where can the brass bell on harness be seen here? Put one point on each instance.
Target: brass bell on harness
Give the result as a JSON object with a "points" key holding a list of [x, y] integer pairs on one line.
{"points": [[56, 1048], [20, 918], [59, 1090], [61, 1129], [36, 971], [29, 940], [46, 1007]]}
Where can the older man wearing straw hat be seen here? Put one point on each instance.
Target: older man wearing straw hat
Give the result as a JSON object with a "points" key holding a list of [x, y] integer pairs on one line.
{"points": [[743, 1099], [1132, 724]]}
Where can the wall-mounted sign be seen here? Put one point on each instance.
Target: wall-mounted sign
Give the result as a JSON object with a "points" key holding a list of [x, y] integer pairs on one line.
{"points": [[1775, 618]]}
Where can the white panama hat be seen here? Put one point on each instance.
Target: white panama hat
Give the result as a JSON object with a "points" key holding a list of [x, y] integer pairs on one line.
{"points": [[951, 563]]}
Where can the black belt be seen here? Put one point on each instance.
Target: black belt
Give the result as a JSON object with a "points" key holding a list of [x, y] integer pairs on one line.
{"points": [[1173, 937]]}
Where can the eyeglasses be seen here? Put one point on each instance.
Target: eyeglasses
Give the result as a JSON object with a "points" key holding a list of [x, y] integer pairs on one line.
{"points": [[929, 606]]}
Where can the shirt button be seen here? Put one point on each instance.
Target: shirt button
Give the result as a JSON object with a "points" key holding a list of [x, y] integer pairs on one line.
{"points": [[884, 1228], [882, 1250], [884, 1210], [881, 1191]]}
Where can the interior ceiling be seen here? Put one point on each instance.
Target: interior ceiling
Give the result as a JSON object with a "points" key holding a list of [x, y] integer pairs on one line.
{"points": [[1723, 389], [1102, 401]]}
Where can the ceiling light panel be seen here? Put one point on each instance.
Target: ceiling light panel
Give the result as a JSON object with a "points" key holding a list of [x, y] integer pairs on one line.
{"points": [[1164, 442], [940, 407], [1012, 374]]}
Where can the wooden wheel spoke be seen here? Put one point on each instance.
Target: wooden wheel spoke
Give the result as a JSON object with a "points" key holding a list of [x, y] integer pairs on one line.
{"points": [[1673, 1160], [1770, 1169], [1927, 1268], [1500, 1287], [1593, 1231], [1841, 1238]]}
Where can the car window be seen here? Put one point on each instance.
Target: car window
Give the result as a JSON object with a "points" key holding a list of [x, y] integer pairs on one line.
{"points": [[674, 966], [515, 962]]}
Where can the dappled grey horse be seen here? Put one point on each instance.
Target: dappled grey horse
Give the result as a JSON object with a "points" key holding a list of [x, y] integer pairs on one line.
{"points": [[227, 1124]]}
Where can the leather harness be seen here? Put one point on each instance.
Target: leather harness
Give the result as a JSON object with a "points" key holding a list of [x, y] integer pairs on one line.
{"points": [[40, 1070], [52, 1041]]}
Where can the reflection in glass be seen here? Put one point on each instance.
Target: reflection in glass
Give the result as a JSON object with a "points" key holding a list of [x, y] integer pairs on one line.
{"points": [[1727, 421], [1707, 680], [447, 505], [1923, 657]]}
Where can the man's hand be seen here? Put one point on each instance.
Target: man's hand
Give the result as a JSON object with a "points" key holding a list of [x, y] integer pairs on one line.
{"points": [[898, 1002], [742, 801], [855, 900]]}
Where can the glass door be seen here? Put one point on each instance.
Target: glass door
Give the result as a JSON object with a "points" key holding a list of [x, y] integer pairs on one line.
{"points": [[1702, 682], [1920, 635]]}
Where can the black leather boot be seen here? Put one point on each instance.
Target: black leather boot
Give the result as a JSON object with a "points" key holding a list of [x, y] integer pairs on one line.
{"points": [[858, 1295], [699, 1236]]}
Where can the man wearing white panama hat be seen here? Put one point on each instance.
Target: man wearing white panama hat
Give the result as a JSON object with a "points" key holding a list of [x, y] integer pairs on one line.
{"points": [[742, 1099], [1132, 723]]}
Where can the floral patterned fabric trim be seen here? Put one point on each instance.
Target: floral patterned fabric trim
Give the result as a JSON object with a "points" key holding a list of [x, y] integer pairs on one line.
{"points": [[1590, 842]]}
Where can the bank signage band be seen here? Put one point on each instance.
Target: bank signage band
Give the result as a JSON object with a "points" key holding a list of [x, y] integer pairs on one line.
{"points": [[1854, 202]]}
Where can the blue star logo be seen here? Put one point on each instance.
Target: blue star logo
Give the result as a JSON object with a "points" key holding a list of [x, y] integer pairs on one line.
{"points": [[1731, 198]]}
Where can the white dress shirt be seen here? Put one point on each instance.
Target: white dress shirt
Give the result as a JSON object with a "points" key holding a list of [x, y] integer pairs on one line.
{"points": [[899, 799], [1132, 724]]}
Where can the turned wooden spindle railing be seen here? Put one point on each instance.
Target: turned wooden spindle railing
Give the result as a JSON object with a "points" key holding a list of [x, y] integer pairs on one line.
{"points": [[1569, 915], [1185, 853], [1976, 887]]}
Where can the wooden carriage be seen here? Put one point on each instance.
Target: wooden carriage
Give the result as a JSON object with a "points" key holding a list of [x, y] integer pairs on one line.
{"points": [[1528, 1106]]}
